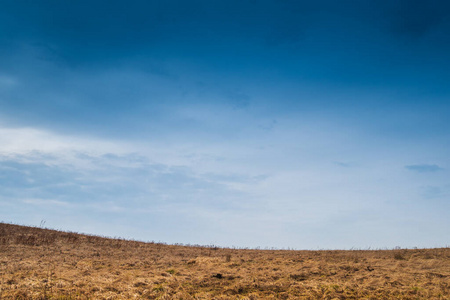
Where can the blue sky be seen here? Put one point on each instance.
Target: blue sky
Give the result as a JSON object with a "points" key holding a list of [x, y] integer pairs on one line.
{"points": [[301, 124]]}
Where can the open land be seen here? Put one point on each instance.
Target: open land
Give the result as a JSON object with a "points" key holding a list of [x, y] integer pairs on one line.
{"points": [[37, 263]]}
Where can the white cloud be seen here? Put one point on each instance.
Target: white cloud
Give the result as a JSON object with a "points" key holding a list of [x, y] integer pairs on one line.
{"points": [[46, 202], [27, 139], [285, 181]]}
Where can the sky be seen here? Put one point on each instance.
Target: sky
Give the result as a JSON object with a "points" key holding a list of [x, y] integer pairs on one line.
{"points": [[273, 123]]}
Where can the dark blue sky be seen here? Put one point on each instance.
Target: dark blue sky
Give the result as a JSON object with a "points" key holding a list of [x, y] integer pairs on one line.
{"points": [[286, 118]]}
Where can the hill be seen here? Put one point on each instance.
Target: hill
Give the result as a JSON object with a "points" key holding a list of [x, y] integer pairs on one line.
{"points": [[38, 263]]}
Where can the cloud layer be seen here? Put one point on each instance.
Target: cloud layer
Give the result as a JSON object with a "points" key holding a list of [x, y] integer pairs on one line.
{"points": [[269, 123]]}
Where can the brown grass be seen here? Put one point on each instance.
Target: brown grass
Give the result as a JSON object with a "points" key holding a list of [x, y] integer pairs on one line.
{"points": [[40, 263]]}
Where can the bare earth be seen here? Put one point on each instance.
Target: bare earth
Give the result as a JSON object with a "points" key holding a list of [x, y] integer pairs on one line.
{"points": [[47, 264]]}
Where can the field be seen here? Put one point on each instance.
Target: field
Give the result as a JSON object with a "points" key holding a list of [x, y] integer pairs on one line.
{"points": [[40, 263]]}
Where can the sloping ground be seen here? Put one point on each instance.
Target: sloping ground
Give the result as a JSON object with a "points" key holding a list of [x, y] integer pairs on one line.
{"points": [[47, 264]]}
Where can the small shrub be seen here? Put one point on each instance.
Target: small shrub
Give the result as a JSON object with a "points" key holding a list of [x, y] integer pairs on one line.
{"points": [[399, 256]]}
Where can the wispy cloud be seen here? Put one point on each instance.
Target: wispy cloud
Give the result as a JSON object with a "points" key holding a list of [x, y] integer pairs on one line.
{"points": [[203, 191], [433, 192], [45, 202], [344, 164], [424, 168]]}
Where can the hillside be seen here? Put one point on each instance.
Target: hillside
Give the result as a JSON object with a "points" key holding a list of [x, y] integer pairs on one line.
{"points": [[40, 263]]}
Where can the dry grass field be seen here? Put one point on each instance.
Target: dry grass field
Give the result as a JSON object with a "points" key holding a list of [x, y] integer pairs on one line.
{"points": [[40, 263]]}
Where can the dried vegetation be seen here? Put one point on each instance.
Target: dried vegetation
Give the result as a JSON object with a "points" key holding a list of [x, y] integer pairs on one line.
{"points": [[39, 263]]}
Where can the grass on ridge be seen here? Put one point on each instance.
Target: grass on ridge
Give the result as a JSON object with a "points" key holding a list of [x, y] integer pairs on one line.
{"points": [[38, 263]]}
